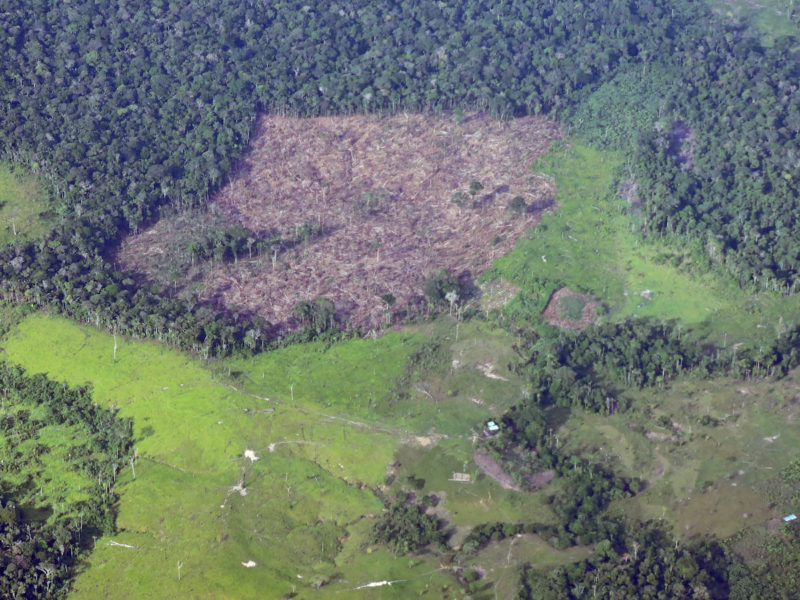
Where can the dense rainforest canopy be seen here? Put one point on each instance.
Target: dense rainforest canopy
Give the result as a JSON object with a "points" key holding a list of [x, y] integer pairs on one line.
{"points": [[125, 109]]}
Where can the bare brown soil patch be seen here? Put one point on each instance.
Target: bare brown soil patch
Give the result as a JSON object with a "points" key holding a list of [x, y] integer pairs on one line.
{"points": [[554, 313], [493, 469], [425, 440], [392, 196]]}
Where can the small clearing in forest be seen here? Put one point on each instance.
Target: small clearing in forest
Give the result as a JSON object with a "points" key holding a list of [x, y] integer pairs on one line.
{"points": [[569, 310], [393, 199], [496, 294], [494, 470]]}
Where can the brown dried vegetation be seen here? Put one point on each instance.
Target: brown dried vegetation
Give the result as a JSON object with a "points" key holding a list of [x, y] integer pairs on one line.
{"points": [[393, 198], [554, 312], [495, 470]]}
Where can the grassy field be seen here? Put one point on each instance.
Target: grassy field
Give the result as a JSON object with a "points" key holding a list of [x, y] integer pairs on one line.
{"points": [[317, 420], [449, 396], [307, 509], [500, 562], [184, 505], [770, 17], [22, 203], [465, 504], [704, 476], [588, 244], [45, 487]]}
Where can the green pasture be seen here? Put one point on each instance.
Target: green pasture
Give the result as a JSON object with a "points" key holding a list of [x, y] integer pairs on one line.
{"points": [[589, 243], [770, 17], [703, 477], [470, 384], [185, 504], [449, 395], [349, 381], [45, 479], [439, 419], [22, 204], [500, 562], [465, 504]]}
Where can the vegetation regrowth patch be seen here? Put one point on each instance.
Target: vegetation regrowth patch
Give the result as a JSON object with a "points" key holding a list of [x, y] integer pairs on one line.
{"points": [[22, 205], [372, 206], [569, 310]]}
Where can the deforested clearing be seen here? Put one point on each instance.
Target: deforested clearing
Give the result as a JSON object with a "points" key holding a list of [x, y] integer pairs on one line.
{"points": [[393, 199], [559, 313]]}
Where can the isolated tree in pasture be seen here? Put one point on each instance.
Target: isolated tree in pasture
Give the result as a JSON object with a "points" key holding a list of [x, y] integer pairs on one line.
{"points": [[474, 188]]}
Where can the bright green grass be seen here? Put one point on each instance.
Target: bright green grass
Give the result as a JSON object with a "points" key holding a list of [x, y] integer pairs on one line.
{"points": [[320, 421], [587, 244], [571, 243], [22, 203], [348, 380], [459, 398], [191, 432], [439, 421], [45, 479], [351, 384]]}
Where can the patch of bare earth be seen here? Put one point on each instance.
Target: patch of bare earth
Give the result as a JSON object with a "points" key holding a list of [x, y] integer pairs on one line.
{"points": [[392, 196], [425, 440], [493, 469], [656, 435], [553, 312]]}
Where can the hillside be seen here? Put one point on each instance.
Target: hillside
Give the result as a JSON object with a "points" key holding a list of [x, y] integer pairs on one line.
{"points": [[399, 299]]}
